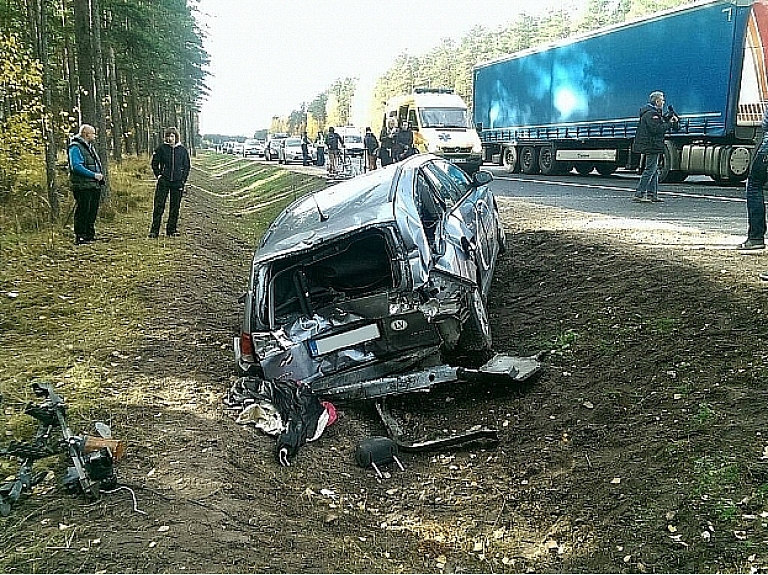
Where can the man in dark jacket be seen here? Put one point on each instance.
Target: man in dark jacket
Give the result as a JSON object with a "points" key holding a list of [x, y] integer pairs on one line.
{"points": [[305, 149], [371, 147], [758, 174], [86, 179], [403, 142], [649, 140], [170, 164], [335, 143]]}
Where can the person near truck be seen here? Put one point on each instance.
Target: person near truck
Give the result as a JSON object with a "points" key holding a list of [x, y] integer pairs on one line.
{"points": [[403, 145], [170, 164], [755, 197], [86, 178], [649, 141], [371, 144], [320, 147]]}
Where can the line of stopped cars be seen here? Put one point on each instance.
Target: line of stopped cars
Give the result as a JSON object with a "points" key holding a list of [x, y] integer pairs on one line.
{"points": [[376, 285]]}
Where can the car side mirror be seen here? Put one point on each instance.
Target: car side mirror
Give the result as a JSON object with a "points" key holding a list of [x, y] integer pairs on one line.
{"points": [[479, 127], [481, 178]]}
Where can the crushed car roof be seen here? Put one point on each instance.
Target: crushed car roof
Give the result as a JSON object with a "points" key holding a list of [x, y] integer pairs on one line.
{"points": [[349, 206]]}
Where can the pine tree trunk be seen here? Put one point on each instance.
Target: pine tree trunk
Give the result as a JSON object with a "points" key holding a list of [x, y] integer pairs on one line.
{"points": [[117, 114], [50, 141], [86, 90], [102, 143]]}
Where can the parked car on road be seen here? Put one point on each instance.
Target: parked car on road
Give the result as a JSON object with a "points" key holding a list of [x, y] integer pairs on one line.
{"points": [[253, 148], [382, 274], [290, 151], [272, 149]]}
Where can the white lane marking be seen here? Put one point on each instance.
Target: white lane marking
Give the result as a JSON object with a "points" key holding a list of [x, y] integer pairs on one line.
{"points": [[622, 189]]}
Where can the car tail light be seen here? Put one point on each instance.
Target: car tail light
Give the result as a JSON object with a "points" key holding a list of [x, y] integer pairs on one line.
{"points": [[247, 353]]}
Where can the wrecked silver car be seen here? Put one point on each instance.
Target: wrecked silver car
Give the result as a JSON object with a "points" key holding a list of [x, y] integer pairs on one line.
{"points": [[373, 286]]}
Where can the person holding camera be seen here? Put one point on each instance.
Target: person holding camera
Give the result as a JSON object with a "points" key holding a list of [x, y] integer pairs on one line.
{"points": [[86, 178], [170, 164], [649, 140]]}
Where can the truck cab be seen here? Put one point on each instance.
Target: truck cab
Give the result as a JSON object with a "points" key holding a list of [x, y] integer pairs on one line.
{"points": [[441, 125]]}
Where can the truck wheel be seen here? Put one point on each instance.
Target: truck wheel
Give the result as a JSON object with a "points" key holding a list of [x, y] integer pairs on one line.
{"points": [[584, 169], [547, 163], [675, 177], [670, 158], [529, 160], [509, 159], [605, 168]]}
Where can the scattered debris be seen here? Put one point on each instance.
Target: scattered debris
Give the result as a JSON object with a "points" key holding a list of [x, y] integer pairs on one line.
{"points": [[285, 409], [377, 451], [92, 458]]}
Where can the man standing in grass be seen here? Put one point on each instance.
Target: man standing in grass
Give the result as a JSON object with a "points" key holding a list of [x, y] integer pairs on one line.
{"points": [[86, 179], [170, 164]]}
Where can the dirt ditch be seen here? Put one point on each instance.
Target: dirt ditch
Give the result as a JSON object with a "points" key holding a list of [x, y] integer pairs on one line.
{"points": [[637, 450]]}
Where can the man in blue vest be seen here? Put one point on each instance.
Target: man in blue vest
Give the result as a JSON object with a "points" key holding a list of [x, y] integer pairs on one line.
{"points": [[86, 179]]}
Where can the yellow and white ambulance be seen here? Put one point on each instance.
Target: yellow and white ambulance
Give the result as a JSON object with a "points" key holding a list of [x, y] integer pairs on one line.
{"points": [[441, 125]]}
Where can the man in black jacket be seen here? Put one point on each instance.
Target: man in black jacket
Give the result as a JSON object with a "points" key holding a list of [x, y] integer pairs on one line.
{"points": [[649, 140], [170, 164]]}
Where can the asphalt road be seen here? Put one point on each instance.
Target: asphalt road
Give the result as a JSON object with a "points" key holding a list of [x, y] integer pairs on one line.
{"points": [[698, 203]]}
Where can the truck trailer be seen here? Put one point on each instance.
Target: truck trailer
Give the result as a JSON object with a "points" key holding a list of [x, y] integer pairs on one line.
{"points": [[575, 104]]}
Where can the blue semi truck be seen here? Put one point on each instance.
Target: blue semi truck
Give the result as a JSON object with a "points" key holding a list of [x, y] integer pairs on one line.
{"points": [[575, 104]]}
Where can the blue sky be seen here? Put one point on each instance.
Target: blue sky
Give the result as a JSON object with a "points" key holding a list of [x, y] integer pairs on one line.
{"points": [[267, 57]]}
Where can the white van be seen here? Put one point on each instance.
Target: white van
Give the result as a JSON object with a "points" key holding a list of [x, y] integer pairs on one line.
{"points": [[441, 125], [353, 140]]}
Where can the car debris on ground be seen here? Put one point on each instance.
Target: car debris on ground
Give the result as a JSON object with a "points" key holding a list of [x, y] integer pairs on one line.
{"points": [[93, 458]]}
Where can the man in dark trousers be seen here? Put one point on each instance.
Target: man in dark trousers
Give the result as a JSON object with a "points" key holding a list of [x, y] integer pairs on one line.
{"points": [[305, 148], [404, 142], [649, 140], [371, 148], [170, 164], [758, 174], [86, 179]]}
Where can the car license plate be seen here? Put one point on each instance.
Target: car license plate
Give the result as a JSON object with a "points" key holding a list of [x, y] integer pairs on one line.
{"points": [[321, 346]]}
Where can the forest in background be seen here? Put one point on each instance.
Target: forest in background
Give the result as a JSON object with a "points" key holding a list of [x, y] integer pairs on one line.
{"points": [[132, 67], [128, 67], [449, 65]]}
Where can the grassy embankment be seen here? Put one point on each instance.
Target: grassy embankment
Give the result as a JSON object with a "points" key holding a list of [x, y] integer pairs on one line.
{"points": [[65, 309]]}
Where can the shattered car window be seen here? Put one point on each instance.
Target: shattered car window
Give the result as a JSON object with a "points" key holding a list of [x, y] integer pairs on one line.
{"points": [[444, 185], [459, 176]]}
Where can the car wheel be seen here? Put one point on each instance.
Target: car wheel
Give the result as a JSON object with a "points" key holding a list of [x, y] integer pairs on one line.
{"points": [[475, 335], [584, 169]]}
